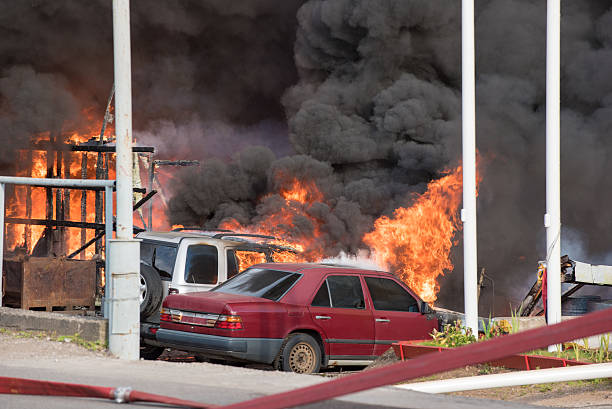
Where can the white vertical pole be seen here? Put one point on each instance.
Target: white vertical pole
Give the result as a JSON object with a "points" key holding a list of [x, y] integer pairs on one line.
{"points": [[124, 321], [1, 237], [552, 219], [468, 213], [123, 115]]}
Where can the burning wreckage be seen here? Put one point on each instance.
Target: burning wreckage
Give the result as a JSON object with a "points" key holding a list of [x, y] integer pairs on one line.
{"points": [[577, 274], [54, 263]]}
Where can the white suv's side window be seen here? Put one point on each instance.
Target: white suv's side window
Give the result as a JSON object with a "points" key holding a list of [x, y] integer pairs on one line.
{"points": [[160, 257], [202, 264]]}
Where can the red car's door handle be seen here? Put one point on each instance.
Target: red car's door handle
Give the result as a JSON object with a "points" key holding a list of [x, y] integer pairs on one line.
{"points": [[382, 320], [322, 317]]}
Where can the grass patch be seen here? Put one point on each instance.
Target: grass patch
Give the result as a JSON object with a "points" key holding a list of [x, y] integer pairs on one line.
{"points": [[75, 339]]}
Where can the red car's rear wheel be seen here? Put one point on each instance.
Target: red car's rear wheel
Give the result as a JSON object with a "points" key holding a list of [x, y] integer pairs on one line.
{"points": [[300, 354]]}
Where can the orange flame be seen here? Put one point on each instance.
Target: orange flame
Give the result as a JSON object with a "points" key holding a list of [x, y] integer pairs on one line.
{"points": [[248, 258], [415, 243], [71, 161], [298, 197]]}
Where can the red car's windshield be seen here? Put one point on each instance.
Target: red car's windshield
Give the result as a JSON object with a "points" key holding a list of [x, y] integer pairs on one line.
{"points": [[258, 282]]}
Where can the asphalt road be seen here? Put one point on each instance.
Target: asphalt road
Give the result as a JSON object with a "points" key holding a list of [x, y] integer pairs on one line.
{"points": [[202, 382]]}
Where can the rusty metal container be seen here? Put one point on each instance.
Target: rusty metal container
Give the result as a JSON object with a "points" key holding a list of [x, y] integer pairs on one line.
{"points": [[49, 283]]}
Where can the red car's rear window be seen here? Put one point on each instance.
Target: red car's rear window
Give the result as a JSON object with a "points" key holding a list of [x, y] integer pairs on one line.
{"points": [[259, 282]]}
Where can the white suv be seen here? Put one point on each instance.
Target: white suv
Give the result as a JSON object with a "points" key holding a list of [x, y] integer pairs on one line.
{"points": [[185, 260]]}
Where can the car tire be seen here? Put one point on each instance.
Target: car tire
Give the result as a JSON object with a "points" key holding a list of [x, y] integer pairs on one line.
{"points": [[300, 353], [150, 292], [150, 352]]}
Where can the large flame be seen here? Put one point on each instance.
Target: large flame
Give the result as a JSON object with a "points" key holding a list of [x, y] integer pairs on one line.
{"points": [[71, 168], [415, 243]]}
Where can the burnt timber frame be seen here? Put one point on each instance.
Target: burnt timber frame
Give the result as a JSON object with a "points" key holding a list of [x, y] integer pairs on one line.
{"points": [[62, 184]]}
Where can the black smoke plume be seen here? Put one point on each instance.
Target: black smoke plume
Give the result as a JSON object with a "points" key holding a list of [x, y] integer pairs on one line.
{"points": [[362, 97]]}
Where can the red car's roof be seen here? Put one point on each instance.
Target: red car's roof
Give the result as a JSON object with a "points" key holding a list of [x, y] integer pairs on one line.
{"points": [[315, 268]]}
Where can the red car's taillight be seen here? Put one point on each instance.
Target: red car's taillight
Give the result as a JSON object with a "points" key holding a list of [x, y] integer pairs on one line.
{"points": [[229, 322], [165, 315]]}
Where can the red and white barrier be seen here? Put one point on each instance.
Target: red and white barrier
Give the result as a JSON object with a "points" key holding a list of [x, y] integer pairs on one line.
{"points": [[20, 386], [592, 324], [470, 383]]}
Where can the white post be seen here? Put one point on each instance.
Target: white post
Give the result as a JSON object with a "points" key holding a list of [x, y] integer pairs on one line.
{"points": [[1, 237], [124, 265], [468, 213], [570, 373], [552, 219]]}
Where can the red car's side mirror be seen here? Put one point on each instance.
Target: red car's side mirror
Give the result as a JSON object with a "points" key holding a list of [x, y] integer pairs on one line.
{"points": [[425, 308]]}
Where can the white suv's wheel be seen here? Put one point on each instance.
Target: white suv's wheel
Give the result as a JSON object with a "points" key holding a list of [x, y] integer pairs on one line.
{"points": [[143, 289], [150, 292]]}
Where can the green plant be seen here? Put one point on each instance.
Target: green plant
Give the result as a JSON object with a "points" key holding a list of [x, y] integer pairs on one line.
{"points": [[545, 387], [76, 338], [453, 335], [602, 354], [516, 319], [494, 328]]}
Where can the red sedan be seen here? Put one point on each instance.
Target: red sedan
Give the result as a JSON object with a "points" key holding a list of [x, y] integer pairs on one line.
{"points": [[298, 317]]}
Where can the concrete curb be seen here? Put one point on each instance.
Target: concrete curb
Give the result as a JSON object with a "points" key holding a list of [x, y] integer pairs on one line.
{"points": [[89, 328]]}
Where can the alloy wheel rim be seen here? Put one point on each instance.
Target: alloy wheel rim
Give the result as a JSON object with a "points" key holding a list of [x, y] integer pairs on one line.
{"points": [[143, 288]]}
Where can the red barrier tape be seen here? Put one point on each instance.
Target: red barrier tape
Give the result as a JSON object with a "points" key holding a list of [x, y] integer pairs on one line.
{"points": [[19, 386], [592, 324]]}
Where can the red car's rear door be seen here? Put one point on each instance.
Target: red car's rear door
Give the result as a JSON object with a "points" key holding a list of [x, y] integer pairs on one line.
{"points": [[396, 314], [340, 311]]}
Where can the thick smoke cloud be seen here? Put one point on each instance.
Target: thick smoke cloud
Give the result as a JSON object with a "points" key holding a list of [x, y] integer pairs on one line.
{"points": [[361, 97], [201, 70], [378, 99]]}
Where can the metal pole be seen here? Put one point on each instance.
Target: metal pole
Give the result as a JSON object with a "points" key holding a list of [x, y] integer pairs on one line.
{"points": [[552, 218], [468, 213], [69, 183], [151, 178], [108, 222], [1, 237], [124, 266]]}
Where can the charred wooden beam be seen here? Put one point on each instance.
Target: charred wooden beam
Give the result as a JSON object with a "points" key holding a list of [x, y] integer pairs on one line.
{"points": [[144, 200], [163, 162], [101, 234], [28, 230], [98, 199], [61, 223], [139, 190], [49, 175], [109, 148], [83, 199], [59, 203], [54, 223]]}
